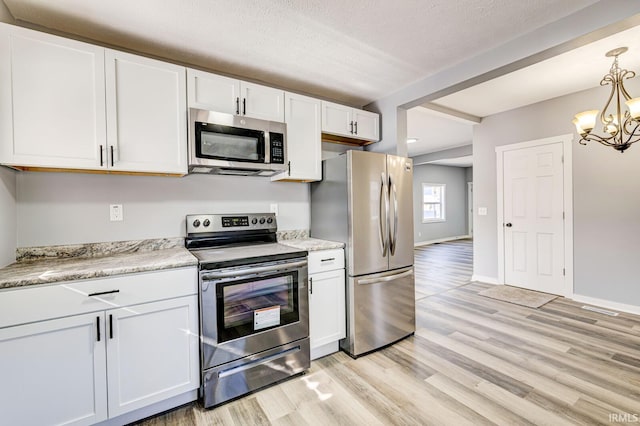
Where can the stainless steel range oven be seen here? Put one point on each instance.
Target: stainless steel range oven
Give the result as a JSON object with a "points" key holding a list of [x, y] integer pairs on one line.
{"points": [[254, 312]]}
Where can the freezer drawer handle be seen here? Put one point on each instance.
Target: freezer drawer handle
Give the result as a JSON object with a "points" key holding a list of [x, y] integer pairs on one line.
{"points": [[257, 362], [328, 260], [386, 279]]}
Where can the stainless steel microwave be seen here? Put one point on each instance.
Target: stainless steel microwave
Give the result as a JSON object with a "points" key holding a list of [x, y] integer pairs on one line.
{"points": [[232, 145]]}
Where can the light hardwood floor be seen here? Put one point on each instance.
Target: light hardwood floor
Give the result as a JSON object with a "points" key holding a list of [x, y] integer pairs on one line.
{"points": [[472, 361]]}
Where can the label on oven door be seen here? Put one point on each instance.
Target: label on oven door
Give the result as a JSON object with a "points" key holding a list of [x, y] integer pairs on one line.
{"points": [[266, 317]]}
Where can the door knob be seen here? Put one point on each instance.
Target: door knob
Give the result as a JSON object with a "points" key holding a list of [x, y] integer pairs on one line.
{"points": [[508, 225]]}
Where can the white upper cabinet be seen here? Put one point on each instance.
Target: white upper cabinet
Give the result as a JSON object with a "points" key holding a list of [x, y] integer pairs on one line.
{"points": [[223, 94], [304, 147], [146, 114], [52, 100], [355, 123]]}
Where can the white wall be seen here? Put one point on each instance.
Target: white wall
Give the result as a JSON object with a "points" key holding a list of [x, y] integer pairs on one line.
{"points": [[71, 208], [455, 224], [8, 223], [606, 196]]}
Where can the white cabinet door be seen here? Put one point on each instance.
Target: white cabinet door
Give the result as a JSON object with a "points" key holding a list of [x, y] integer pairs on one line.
{"points": [[213, 92], [152, 352], [327, 310], [336, 119], [367, 125], [146, 114], [54, 372], [52, 100], [262, 102], [304, 147]]}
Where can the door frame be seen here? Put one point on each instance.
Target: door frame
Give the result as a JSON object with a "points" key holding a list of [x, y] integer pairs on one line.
{"points": [[470, 209], [567, 145]]}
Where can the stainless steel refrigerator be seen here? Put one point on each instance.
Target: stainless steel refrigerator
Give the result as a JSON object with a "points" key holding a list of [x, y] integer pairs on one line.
{"points": [[365, 200]]}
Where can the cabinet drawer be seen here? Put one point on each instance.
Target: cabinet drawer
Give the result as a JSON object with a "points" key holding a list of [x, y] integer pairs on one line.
{"points": [[326, 260], [26, 305]]}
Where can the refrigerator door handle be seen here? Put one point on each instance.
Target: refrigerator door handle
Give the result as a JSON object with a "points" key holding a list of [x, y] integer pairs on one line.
{"points": [[384, 230], [393, 236], [386, 279]]}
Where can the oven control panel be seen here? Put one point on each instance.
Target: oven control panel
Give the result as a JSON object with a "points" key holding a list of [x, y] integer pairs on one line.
{"points": [[208, 223]]}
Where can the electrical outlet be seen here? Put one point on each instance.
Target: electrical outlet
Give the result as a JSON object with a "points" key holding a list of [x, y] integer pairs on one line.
{"points": [[482, 211], [115, 213], [273, 208]]}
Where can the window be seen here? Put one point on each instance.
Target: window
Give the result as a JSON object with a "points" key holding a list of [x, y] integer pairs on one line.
{"points": [[433, 202]]}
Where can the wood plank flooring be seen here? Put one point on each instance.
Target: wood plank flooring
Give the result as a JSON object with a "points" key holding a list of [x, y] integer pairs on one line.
{"points": [[472, 361]]}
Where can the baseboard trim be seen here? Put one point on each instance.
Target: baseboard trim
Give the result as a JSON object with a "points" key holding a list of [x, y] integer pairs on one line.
{"points": [[486, 280], [441, 240], [622, 307]]}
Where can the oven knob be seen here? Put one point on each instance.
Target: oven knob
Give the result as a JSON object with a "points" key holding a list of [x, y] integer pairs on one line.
{"points": [[206, 223], [261, 220], [270, 220], [196, 223], [254, 221]]}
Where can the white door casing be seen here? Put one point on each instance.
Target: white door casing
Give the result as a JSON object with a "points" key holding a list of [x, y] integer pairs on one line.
{"points": [[470, 209], [535, 241]]}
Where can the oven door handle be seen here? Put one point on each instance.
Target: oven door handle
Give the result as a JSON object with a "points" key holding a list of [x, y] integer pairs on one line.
{"points": [[252, 271]]}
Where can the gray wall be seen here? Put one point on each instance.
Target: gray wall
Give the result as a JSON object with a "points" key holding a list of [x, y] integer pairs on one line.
{"points": [[455, 202], [5, 16], [606, 195], [8, 223], [69, 208]]}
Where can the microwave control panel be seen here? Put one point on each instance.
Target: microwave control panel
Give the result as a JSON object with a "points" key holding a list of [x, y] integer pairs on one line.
{"points": [[276, 142]]}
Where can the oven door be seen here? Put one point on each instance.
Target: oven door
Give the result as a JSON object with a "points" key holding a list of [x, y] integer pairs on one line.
{"points": [[249, 309], [221, 142]]}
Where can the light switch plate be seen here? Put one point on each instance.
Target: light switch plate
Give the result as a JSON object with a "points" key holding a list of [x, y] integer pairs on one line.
{"points": [[115, 213], [482, 211]]}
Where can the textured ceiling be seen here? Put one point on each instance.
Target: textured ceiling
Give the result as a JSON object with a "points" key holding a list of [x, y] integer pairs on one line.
{"points": [[352, 51]]}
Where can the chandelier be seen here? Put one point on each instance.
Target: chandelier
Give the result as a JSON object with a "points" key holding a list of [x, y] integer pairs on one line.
{"points": [[621, 128]]}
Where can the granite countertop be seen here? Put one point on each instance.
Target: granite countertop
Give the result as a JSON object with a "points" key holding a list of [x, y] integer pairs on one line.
{"points": [[42, 265], [312, 244]]}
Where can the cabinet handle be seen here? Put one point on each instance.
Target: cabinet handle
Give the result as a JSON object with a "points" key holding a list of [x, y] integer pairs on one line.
{"points": [[289, 166], [100, 293], [111, 155], [328, 260], [311, 285], [351, 124], [244, 106], [101, 159], [98, 327], [110, 326], [238, 106], [356, 126]]}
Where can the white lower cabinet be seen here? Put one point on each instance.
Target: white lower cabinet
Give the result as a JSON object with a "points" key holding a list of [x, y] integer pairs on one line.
{"points": [[327, 309], [152, 353], [54, 372], [90, 367]]}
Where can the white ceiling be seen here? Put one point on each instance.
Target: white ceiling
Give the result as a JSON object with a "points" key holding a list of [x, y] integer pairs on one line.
{"points": [[352, 51], [570, 72]]}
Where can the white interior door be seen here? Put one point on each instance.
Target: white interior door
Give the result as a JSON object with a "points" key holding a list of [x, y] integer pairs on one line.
{"points": [[533, 218]]}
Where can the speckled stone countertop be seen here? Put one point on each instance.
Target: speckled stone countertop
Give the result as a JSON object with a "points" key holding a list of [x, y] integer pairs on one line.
{"points": [[312, 244], [42, 265]]}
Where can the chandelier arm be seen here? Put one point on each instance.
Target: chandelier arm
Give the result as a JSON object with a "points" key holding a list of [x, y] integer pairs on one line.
{"points": [[607, 79], [626, 75]]}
